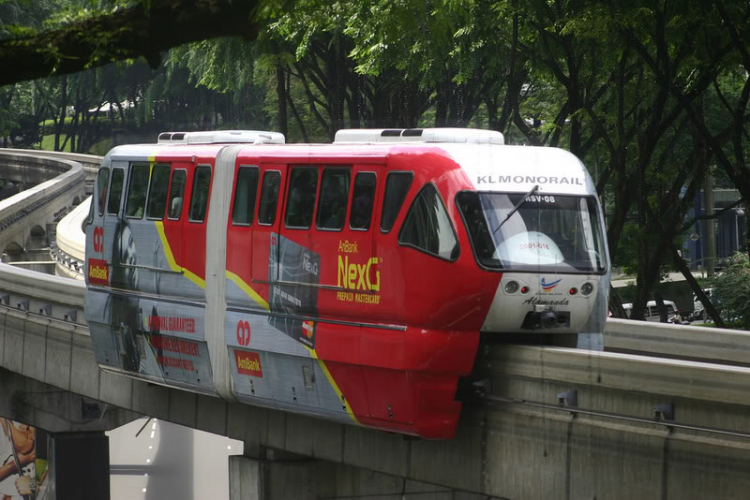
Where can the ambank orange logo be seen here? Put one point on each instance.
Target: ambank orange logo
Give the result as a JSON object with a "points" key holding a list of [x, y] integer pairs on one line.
{"points": [[98, 272], [248, 363]]}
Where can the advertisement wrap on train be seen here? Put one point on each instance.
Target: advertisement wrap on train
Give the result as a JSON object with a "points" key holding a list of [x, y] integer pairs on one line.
{"points": [[353, 281]]}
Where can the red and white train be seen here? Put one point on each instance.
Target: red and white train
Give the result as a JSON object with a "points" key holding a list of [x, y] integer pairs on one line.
{"points": [[350, 280]]}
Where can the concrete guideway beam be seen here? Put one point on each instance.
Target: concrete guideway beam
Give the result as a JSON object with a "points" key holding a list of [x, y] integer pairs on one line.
{"points": [[299, 477], [706, 382], [26, 400], [500, 449], [686, 342], [64, 297], [58, 184]]}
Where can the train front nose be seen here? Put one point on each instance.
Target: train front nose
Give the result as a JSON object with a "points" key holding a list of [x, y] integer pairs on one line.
{"points": [[527, 302]]}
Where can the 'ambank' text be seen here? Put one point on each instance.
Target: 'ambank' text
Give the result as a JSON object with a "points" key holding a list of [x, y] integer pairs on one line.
{"points": [[98, 272]]}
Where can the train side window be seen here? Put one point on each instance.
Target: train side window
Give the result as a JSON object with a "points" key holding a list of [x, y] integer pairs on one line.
{"points": [[115, 191], [300, 206], [427, 226], [362, 200], [334, 195], [157, 193], [245, 193], [102, 181], [176, 194], [137, 188], [396, 186], [199, 198], [269, 197]]}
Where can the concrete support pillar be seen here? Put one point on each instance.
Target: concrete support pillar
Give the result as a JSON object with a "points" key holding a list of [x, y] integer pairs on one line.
{"points": [[245, 478], [79, 466], [287, 476]]}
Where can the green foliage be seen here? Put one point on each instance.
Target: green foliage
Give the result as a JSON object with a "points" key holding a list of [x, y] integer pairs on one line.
{"points": [[732, 292], [602, 79], [224, 64]]}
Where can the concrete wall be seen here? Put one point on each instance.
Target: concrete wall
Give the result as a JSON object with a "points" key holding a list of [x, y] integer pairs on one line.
{"points": [[508, 447]]}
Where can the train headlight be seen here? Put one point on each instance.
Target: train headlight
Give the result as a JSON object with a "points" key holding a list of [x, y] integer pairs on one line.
{"points": [[586, 289], [511, 287]]}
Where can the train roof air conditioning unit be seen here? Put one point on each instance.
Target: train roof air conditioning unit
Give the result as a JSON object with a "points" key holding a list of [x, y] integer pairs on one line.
{"points": [[432, 135], [222, 137]]}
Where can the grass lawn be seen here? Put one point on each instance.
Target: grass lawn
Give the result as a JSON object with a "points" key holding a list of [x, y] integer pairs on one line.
{"points": [[48, 143]]}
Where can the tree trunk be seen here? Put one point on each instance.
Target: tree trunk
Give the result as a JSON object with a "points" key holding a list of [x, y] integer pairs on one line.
{"points": [[441, 106], [281, 97]]}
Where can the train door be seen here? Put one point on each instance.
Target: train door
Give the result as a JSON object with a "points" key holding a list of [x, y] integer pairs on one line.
{"points": [[396, 186], [173, 221], [294, 293], [389, 393], [112, 334], [132, 263], [266, 232], [349, 283], [249, 338], [194, 228], [242, 221]]}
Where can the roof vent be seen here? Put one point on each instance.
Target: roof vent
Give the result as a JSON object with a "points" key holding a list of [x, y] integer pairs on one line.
{"points": [[432, 135], [222, 137]]}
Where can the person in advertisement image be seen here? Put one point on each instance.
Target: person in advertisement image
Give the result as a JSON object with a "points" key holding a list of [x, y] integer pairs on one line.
{"points": [[124, 313], [144, 340], [22, 475], [293, 264]]}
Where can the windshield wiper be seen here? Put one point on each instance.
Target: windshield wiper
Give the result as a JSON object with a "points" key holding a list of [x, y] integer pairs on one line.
{"points": [[515, 209]]}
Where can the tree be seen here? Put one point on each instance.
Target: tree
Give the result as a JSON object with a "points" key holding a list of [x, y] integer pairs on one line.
{"points": [[731, 291], [145, 29]]}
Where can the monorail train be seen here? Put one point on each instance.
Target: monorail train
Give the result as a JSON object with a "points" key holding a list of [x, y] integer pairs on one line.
{"points": [[351, 280]]}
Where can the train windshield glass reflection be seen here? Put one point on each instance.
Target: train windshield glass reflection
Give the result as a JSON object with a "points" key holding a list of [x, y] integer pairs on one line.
{"points": [[550, 233]]}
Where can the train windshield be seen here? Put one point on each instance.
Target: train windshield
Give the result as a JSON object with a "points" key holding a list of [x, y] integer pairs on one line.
{"points": [[545, 233]]}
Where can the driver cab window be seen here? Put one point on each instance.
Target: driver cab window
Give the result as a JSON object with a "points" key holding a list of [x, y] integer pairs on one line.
{"points": [[427, 226], [101, 187], [102, 180], [115, 191]]}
